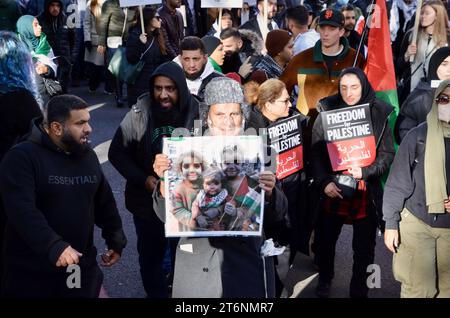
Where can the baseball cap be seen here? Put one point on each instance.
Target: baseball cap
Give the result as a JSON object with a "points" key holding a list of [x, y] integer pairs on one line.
{"points": [[331, 17]]}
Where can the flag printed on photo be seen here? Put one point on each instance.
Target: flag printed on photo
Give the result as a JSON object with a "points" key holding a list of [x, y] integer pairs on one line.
{"points": [[349, 136], [212, 187], [285, 137]]}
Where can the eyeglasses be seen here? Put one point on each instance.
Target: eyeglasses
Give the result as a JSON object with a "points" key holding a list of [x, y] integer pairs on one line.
{"points": [[195, 165], [286, 102], [442, 99]]}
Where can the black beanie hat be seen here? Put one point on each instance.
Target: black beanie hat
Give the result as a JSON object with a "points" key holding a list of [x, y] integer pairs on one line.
{"points": [[211, 43], [436, 59]]}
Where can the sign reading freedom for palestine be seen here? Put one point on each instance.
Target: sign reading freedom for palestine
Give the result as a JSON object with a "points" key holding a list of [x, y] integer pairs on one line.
{"points": [[349, 136], [285, 138]]}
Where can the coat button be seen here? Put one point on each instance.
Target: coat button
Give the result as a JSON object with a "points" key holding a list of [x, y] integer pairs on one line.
{"points": [[205, 269]]}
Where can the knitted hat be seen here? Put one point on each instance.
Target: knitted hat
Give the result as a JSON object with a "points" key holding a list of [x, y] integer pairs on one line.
{"points": [[276, 41], [222, 90], [211, 43]]}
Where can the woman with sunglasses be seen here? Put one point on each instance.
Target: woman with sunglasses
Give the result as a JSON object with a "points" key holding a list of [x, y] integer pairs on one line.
{"points": [[361, 206], [416, 205], [191, 166], [150, 47], [270, 103]]}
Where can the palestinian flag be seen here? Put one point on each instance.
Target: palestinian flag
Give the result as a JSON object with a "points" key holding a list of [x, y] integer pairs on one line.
{"points": [[380, 66]]}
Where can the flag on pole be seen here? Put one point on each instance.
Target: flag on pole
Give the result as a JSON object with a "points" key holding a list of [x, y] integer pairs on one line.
{"points": [[380, 66]]}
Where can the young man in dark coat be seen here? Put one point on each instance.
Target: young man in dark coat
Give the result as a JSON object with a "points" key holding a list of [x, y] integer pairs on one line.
{"points": [[172, 26], [168, 105], [54, 192], [61, 38]]}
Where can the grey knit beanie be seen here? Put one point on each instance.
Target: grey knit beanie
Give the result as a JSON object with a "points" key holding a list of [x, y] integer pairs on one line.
{"points": [[222, 90]]}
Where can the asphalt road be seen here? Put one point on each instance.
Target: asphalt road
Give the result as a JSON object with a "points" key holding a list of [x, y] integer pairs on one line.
{"points": [[123, 279]]}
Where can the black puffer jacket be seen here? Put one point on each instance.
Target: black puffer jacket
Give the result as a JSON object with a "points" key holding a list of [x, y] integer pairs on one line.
{"points": [[414, 110], [153, 58], [61, 38]]}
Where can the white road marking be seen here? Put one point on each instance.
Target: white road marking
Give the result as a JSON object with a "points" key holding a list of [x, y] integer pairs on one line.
{"points": [[102, 151], [301, 285], [94, 107]]}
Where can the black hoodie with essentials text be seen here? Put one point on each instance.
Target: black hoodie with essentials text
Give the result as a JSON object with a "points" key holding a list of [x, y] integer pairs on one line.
{"points": [[52, 199]]}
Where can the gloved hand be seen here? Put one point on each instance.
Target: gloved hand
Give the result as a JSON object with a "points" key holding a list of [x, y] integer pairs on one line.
{"points": [[246, 68], [88, 45]]}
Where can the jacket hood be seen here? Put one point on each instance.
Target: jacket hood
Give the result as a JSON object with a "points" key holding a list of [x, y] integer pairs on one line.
{"points": [[38, 136], [253, 44], [47, 14], [435, 61], [176, 74], [336, 101], [209, 69]]}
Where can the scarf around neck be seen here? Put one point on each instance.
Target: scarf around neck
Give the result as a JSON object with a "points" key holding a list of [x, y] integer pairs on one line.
{"points": [[434, 163]]}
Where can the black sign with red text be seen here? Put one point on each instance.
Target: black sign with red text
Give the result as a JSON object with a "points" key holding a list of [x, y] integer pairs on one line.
{"points": [[349, 136], [285, 137]]}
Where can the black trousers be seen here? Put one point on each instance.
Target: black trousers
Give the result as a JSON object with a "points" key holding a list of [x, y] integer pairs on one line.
{"points": [[363, 244], [151, 247], [18, 283]]}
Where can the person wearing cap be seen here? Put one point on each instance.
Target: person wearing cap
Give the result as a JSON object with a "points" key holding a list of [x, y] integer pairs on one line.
{"points": [[417, 105], [214, 49], [279, 52], [416, 205], [298, 24], [316, 69], [224, 266], [256, 24], [196, 65]]}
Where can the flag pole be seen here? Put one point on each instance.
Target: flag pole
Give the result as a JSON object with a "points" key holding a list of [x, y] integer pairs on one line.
{"points": [[219, 22], [141, 14], [364, 33], [416, 27], [266, 20]]}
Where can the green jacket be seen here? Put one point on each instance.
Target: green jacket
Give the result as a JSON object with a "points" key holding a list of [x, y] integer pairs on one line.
{"points": [[112, 20]]}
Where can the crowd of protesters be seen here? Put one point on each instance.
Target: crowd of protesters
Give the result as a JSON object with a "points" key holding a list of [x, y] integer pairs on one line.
{"points": [[245, 68]]}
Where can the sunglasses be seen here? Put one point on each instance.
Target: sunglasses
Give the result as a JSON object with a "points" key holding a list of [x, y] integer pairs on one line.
{"points": [[195, 165], [157, 17], [442, 99]]}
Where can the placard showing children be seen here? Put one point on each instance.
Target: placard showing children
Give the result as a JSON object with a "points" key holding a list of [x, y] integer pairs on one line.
{"points": [[214, 190]]}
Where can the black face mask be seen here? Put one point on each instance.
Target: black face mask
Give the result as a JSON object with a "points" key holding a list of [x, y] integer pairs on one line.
{"points": [[73, 146]]}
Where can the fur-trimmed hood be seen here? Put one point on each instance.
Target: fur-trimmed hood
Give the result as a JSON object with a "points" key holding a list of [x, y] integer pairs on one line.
{"points": [[253, 44]]}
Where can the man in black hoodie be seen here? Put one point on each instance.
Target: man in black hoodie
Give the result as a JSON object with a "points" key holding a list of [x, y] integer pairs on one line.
{"points": [[53, 192], [61, 38], [168, 105]]}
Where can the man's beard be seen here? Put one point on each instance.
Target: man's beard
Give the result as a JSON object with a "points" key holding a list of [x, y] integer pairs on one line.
{"points": [[196, 75], [73, 146], [349, 28]]}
